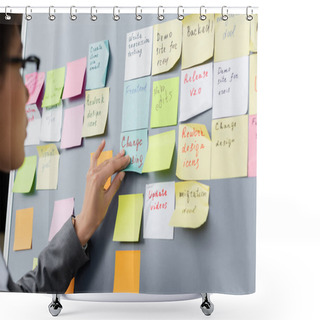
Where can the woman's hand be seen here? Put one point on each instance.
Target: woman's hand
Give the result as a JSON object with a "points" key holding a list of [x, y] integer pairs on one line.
{"points": [[97, 199]]}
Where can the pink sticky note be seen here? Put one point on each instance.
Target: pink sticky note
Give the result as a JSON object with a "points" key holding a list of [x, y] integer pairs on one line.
{"points": [[34, 82], [252, 155], [72, 127], [62, 211], [74, 79]]}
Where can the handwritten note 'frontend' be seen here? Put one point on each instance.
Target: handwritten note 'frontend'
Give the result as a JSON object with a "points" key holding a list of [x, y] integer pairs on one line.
{"points": [[23, 229], [34, 125], [51, 123], [192, 204], [25, 175], [252, 152]]}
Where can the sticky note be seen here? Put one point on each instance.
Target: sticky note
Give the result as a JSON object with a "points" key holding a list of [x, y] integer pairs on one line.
{"points": [[252, 148], [198, 40], [25, 175], [157, 211], [135, 144], [51, 123], [160, 151], [35, 263], [34, 83], [194, 152], [231, 37], [128, 221], [105, 155], [72, 127], [138, 53], [167, 39], [62, 211], [192, 204], [127, 272], [96, 112], [23, 229], [54, 87], [74, 78], [229, 158], [253, 84], [195, 91], [97, 65], [48, 167], [164, 109], [70, 289], [230, 88], [254, 33], [34, 125], [136, 104]]}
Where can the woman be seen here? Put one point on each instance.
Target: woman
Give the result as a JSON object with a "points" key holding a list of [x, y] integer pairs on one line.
{"points": [[61, 259]]}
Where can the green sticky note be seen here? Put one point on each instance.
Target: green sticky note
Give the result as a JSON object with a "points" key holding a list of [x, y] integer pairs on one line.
{"points": [[54, 87], [165, 95], [35, 263], [25, 175], [160, 151], [128, 221]]}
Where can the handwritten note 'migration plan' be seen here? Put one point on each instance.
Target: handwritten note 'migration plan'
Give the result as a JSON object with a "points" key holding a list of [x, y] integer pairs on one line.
{"points": [[34, 125], [51, 124]]}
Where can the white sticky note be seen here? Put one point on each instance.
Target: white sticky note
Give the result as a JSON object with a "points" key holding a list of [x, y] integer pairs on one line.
{"points": [[34, 125], [51, 124]]}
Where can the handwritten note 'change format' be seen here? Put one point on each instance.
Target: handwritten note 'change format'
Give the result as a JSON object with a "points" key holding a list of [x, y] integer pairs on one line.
{"points": [[138, 53], [97, 65], [136, 101], [105, 155], [48, 167], [229, 147], [253, 85], [196, 91], [192, 204], [166, 45], [34, 125], [231, 88], [34, 83], [135, 144], [158, 209], [194, 151], [198, 39], [51, 124], [164, 109], [25, 175], [96, 112], [23, 229], [252, 153]]}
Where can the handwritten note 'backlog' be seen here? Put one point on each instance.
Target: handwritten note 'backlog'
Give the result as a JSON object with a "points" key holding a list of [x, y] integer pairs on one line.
{"points": [[252, 152], [34, 83], [105, 155], [229, 147], [48, 167], [194, 151], [23, 229], [97, 65], [138, 53], [96, 112], [164, 109], [158, 209], [136, 101], [166, 45], [195, 91], [51, 124], [198, 39], [231, 88], [253, 85], [135, 144], [34, 125], [25, 175], [192, 204]]}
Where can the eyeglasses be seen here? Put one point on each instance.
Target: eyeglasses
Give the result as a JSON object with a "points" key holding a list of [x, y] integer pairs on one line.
{"points": [[33, 61]]}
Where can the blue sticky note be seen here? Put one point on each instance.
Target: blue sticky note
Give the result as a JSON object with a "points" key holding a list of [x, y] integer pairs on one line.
{"points": [[135, 144], [136, 100], [97, 65]]}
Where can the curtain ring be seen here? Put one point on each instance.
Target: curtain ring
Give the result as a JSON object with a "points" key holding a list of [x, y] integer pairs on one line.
{"points": [[224, 15], [73, 17], [52, 17], [27, 15], [203, 15], [249, 16], [138, 16], [160, 16], [180, 15], [116, 17], [6, 15], [93, 16]]}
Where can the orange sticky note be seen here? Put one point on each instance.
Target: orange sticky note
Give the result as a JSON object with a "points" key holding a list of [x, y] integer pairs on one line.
{"points": [[127, 272], [23, 229], [70, 289], [105, 155]]}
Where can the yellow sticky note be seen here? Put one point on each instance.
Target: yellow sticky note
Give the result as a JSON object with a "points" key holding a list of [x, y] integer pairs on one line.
{"points": [[253, 84], [192, 205], [160, 151], [23, 229], [254, 34], [48, 167], [35, 263], [105, 155], [229, 147], [194, 152], [127, 272], [70, 289], [128, 221], [166, 45], [198, 40], [232, 37]]}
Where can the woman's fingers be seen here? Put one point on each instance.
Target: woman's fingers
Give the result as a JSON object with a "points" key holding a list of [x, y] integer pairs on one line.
{"points": [[114, 187], [111, 166], [96, 155]]}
